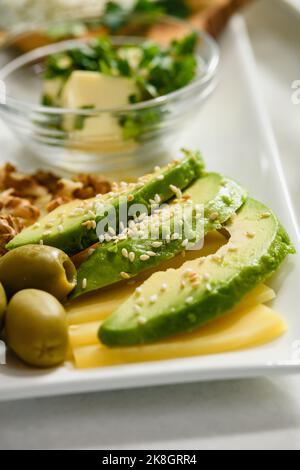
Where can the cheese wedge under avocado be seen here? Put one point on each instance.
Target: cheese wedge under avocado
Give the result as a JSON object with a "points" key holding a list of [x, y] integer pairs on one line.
{"points": [[86, 332], [96, 308], [219, 199], [72, 227], [240, 329], [98, 305], [201, 291]]}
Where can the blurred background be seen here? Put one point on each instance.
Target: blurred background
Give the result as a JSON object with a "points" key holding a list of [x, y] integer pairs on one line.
{"points": [[26, 25], [207, 14], [273, 26]]}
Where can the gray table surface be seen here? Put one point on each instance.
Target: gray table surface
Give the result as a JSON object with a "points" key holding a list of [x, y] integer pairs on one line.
{"points": [[255, 414]]}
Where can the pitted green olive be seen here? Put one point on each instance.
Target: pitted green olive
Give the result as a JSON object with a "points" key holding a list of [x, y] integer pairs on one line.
{"points": [[38, 267], [36, 328], [3, 304]]}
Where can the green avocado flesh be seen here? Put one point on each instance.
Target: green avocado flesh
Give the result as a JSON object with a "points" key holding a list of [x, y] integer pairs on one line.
{"points": [[66, 227], [178, 301], [218, 199]]}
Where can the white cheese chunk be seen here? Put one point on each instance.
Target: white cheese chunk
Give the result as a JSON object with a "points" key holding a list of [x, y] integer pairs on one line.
{"points": [[99, 91], [96, 89]]}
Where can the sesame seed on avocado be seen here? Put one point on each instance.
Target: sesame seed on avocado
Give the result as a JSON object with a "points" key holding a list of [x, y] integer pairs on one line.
{"points": [[222, 285], [134, 254], [72, 227]]}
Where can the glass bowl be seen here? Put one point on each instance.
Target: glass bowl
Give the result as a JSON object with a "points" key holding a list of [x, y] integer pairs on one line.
{"points": [[108, 149]]}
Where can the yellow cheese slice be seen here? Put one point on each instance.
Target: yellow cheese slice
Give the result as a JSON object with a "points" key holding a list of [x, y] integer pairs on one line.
{"points": [[83, 334], [98, 306], [247, 325], [242, 329]]}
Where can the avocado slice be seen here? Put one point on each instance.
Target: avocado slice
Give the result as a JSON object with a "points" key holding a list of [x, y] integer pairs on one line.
{"points": [[179, 301], [110, 263], [72, 227]]}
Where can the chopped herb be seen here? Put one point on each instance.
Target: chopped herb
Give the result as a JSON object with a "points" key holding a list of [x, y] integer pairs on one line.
{"points": [[116, 16], [47, 100], [80, 118], [157, 70], [135, 124], [177, 8]]}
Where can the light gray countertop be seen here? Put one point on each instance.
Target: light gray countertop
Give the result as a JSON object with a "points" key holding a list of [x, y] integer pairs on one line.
{"points": [[256, 414]]}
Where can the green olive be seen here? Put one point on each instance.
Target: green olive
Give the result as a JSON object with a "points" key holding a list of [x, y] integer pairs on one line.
{"points": [[3, 304], [36, 328], [38, 267]]}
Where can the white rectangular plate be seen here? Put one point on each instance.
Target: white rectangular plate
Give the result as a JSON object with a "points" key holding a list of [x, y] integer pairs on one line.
{"points": [[236, 138]]}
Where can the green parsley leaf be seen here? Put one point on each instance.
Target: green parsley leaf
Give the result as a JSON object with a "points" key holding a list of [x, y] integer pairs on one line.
{"points": [[80, 118]]}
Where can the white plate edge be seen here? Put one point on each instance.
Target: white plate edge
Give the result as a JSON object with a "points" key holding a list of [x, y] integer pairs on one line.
{"points": [[239, 25]]}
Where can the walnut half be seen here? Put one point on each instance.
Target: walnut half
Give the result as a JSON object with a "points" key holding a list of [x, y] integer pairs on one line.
{"points": [[24, 198], [18, 208], [9, 228]]}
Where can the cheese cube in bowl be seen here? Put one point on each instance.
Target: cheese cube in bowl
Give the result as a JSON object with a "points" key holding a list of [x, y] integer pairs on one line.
{"points": [[115, 112]]}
